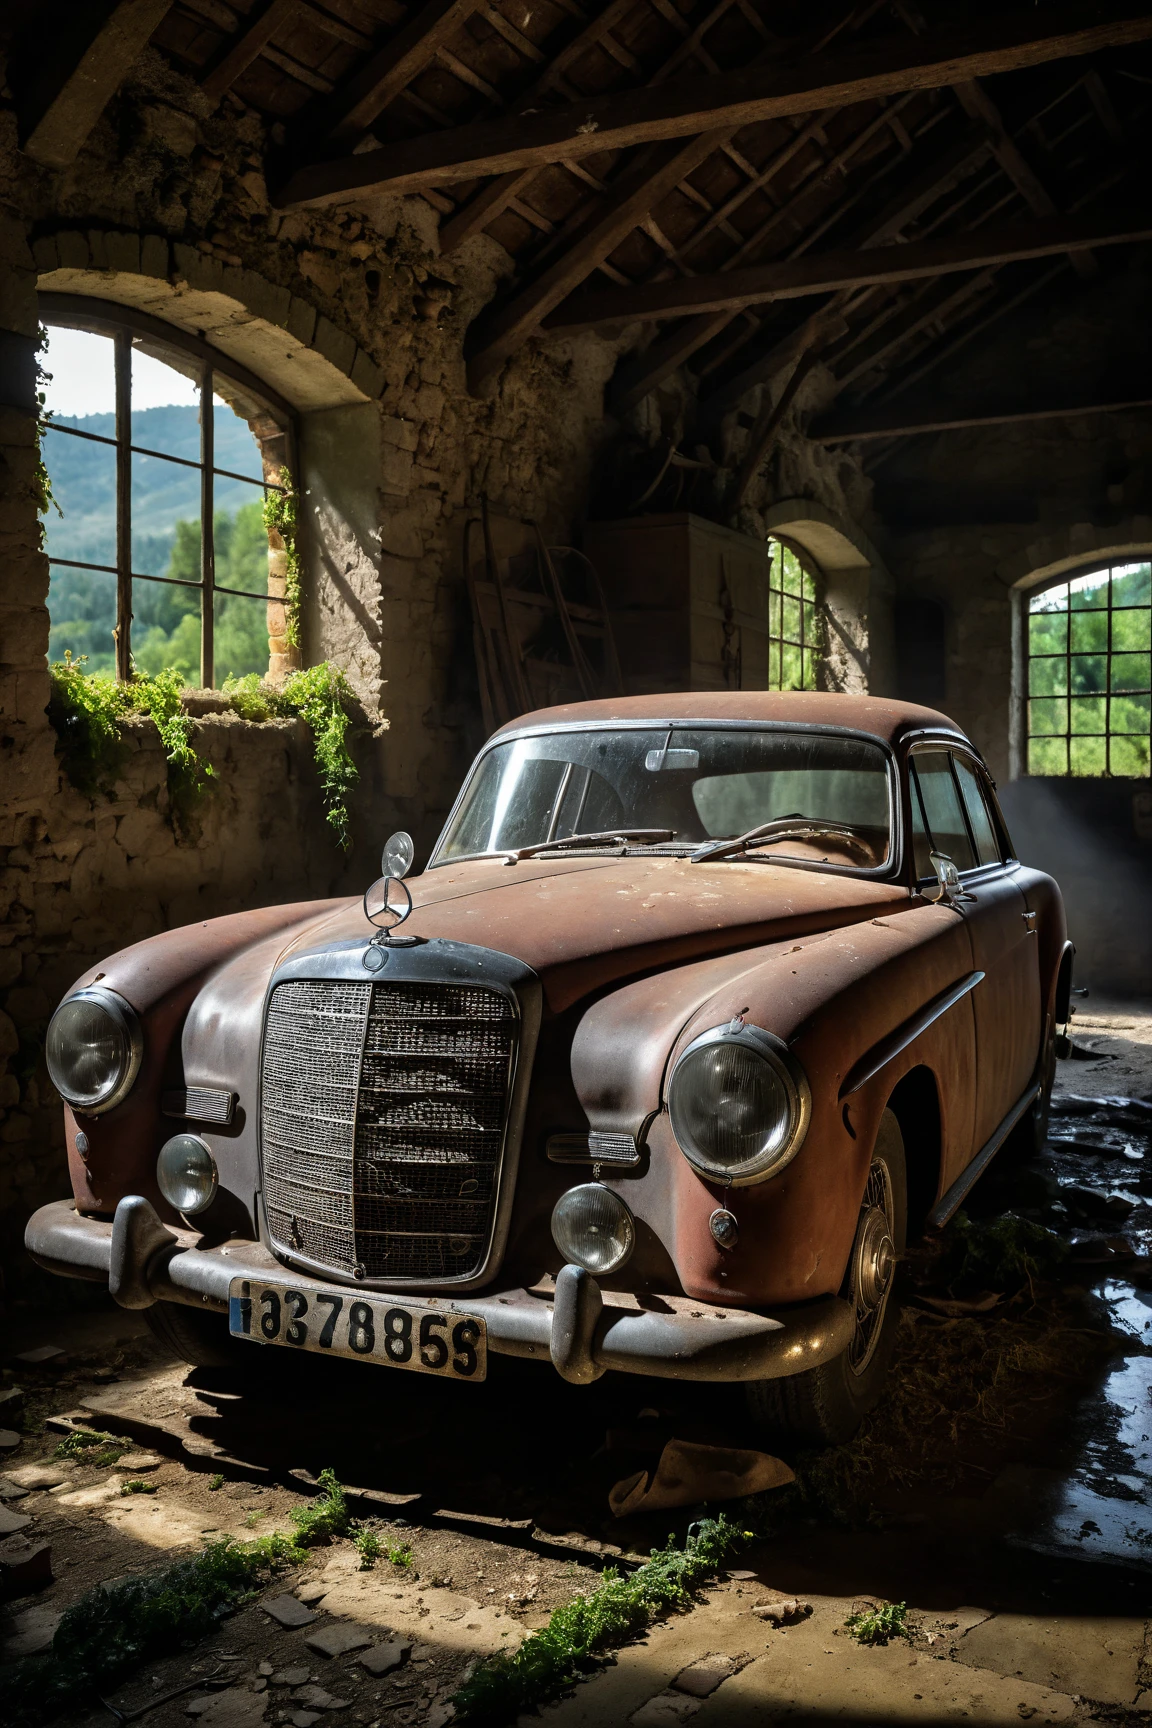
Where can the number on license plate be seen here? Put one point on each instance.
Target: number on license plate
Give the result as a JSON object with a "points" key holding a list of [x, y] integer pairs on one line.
{"points": [[429, 1340]]}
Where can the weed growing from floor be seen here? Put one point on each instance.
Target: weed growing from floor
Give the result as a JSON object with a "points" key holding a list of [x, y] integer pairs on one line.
{"points": [[369, 1547], [878, 1625], [138, 1488], [91, 1446], [580, 1633], [215, 1483], [400, 1555], [117, 1625], [114, 1626], [325, 1517], [1004, 1253]]}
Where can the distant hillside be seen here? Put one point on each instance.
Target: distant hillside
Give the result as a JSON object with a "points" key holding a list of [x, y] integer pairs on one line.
{"points": [[163, 493]]}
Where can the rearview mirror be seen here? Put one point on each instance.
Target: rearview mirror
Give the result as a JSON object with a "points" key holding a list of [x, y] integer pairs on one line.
{"points": [[399, 852]]}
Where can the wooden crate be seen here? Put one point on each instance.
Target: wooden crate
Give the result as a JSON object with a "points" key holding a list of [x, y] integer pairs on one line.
{"points": [[688, 600]]}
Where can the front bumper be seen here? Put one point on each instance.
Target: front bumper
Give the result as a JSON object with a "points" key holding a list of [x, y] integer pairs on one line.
{"points": [[583, 1331]]}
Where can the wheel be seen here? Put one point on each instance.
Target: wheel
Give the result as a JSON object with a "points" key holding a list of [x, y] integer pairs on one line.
{"points": [[1030, 1135], [826, 1405], [194, 1335]]}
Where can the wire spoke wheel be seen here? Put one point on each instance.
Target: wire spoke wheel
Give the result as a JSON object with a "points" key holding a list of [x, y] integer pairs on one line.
{"points": [[873, 1265]]}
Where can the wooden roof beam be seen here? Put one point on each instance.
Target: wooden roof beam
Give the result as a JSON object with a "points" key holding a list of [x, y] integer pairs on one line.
{"points": [[57, 134], [248, 47], [866, 425], [685, 106], [362, 97], [797, 278]]}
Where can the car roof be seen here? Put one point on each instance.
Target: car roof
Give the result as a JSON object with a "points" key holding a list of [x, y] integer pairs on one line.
{"points": [[882, 717]]}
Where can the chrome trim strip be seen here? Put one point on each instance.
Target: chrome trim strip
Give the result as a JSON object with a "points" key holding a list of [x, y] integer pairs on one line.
{"points": [[907, 1033], [971, 1172]]}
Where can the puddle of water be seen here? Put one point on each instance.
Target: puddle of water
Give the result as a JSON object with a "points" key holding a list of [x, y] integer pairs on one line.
{"points": [[1102, 1509]]}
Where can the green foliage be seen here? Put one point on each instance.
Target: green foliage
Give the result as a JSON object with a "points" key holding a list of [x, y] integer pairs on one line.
{"points": [[90, 1446], [280, 517], [400, 1554], [215, 1483], [325, 1517], [138, 1488], [369, 1547], [324, 700], [41, 479], [114, 1626], [578, 1634], [88, 709], [1003, 1253], [877, 1625]]}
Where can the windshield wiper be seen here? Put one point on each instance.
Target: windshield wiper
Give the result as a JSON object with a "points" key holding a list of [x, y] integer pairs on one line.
{"points": [[616, 837], [784, 828]]}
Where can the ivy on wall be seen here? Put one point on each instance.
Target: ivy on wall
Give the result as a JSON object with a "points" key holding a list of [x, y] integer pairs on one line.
{"points": [[280, 517], [89, 709]]}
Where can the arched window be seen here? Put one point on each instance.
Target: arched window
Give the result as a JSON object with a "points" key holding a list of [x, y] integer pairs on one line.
{"points": [[1089, 684], [795, 620], [160, 452]]}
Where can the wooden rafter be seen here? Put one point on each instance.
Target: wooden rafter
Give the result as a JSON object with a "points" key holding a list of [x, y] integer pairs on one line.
{"points": [[683, 107], [798, 278], [248, 47], [57, 134], [898, 421]]}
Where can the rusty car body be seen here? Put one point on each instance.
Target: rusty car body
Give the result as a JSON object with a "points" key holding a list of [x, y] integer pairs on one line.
{"points": [[757, 1060]]}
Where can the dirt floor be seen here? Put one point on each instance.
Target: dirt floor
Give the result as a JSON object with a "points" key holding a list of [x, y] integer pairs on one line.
{"points": [[1003, 1491]]}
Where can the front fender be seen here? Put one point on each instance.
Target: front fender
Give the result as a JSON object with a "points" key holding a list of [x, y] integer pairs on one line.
{"points": [[163, 978], [832, 998]]}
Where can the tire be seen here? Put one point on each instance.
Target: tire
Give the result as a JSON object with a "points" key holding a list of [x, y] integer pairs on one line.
{"points": [[1030, 1135], [196, 1336], [825, 1405]]}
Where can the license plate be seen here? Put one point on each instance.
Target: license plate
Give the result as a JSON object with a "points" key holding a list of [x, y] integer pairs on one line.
{"points": [[371, 1329]]}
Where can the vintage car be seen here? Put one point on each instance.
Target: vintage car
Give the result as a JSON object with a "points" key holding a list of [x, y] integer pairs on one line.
{"points": [[703, 1005]]}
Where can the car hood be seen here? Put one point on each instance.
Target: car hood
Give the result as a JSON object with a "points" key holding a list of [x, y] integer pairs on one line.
{"points": [[585, 923]]}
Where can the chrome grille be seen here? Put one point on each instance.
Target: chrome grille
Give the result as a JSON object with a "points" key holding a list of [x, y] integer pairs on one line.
{"points": [[383, 1113]]}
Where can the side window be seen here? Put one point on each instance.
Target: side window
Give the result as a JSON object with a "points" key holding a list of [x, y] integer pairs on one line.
{"points": [[932, 772], [979, 820]]}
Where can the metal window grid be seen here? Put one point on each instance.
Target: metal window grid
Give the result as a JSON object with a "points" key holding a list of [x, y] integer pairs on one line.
{"points": [[123, 329], [795, 620], [1090, 674]]}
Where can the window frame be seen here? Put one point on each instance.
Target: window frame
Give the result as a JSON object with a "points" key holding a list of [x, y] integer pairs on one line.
{"points": [[952, 748], [811, 654], [1107, 566], [123, 324]]}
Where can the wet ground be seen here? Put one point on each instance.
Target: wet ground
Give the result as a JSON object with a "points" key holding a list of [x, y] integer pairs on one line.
{"points": [[1004, 1491]]}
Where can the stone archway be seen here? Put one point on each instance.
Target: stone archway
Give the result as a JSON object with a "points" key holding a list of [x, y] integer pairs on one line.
{"points": [[858, 593]]}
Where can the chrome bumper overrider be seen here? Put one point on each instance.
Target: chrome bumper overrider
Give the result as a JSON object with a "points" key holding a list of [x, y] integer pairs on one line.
{"points": [[583, 1331]]}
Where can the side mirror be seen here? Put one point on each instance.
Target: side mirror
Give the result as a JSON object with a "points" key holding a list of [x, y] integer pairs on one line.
{"points": [[399, 852], [948, 877]]}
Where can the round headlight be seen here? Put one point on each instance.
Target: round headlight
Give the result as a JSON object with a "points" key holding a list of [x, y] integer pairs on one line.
{"points": [[593, 1228], [93, 1049], [739, 1104], [186, 1173]]}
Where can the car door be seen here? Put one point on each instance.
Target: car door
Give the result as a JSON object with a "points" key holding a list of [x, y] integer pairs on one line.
{"points": [[950, 814]]}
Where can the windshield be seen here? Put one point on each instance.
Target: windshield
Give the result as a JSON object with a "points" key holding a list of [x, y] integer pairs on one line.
{"points": [[696, 783]]}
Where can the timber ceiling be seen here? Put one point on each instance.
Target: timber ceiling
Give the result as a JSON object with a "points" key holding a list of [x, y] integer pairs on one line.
{"points": [[759, 182]]}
